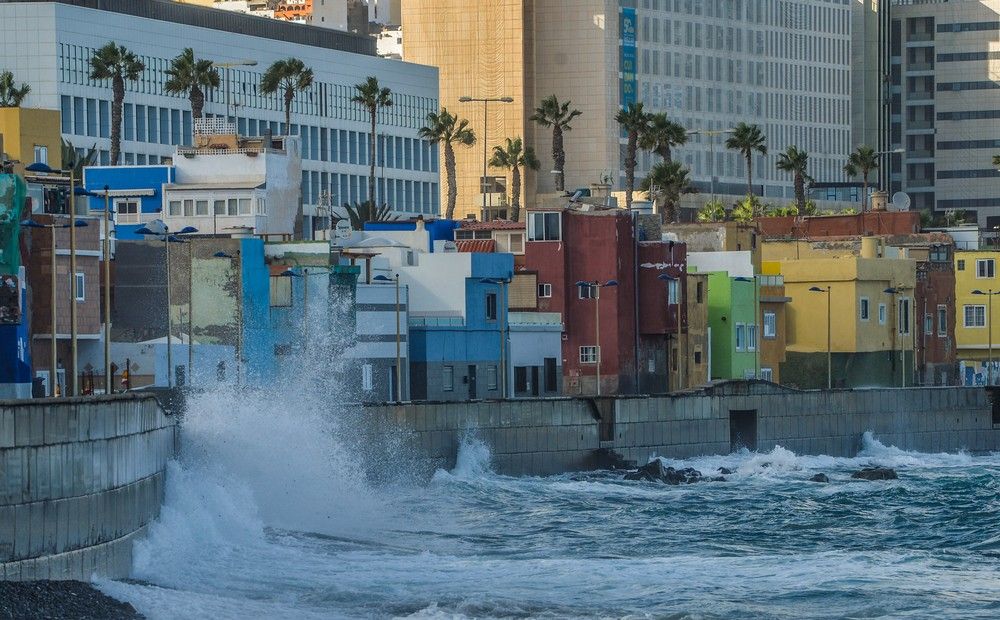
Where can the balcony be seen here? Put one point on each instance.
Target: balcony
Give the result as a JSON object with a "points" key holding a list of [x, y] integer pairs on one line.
{"points": [[921, 124], [549, 319], [919, 96], [436, 321], [919, 66], [919, 37]]}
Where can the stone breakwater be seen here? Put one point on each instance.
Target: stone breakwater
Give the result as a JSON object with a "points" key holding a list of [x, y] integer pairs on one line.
{"points": [[60, 599], [80, 480]]}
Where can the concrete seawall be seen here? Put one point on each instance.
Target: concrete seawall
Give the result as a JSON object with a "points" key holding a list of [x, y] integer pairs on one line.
{"points": [[541, 437], [80, 480]]}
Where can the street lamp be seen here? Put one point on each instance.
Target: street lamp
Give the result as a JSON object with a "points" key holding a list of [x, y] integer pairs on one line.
{"points": [[894, 291], [239, 312], [681, 304], [225, 66], [106, 251], [399, 354], [164, 233], [756, 325], [596, 287], [504, 330], [75, 191], [486, 106], [53, 293], [829, 342], [989, 325], [711, 133]]}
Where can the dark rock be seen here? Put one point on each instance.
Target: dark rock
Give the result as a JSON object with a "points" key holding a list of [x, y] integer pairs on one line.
{"points": [[725, 471], [654, 471], [718, 479], [875, 473], [819, 478], [60, 599]]}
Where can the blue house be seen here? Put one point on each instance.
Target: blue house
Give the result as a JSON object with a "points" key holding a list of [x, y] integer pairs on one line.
{"points": [[135, 192], [459, 330], [438, 230]]}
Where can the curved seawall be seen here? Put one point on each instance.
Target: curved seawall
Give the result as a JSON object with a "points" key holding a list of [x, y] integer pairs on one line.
{"points": [[80, 479]]}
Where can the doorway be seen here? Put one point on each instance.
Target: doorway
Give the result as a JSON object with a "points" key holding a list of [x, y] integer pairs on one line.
{"points": [[472, 382], [743, 429]]}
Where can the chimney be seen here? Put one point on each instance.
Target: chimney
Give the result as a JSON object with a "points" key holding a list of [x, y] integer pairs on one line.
{"points": [[879, 200], [420, 223]]}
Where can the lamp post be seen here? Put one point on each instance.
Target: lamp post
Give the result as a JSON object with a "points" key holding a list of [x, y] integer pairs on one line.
{"points": [[504, 328], [989, 325], [681, 305], [106, 246], [239, 313], [596, 287], [829, 330], [711, 133], [53, 293], [894, 291], [226, 66], [399, 350], [486, 106], [756, 324], [168, 238]]}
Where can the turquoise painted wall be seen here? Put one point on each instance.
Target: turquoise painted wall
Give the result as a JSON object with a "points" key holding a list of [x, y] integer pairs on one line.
{"points": [[730, 303]]}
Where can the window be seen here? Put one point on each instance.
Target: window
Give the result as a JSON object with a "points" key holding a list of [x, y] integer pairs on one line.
{"points": [[188, 208], [741, 337], [244, 206], [544, 227], [491, 306], [700, 288], [127, 211], [41, 154], [939, 254], [551, 374], [219, 207], [904, 316], [881, 314], [281, 292], [516, 244], [770, 325], [588, 355], [367, 384], [587, 291], [975, 316], [81, 286], [961, 265], [672, 292], [864, 312], [491, 378], [766, 374], [232, 207], [521, 384], [545, 290], [942, 318], [697, 355], [985, 268], [751, 337], [201, 207], [174, 207], [448, 378]]}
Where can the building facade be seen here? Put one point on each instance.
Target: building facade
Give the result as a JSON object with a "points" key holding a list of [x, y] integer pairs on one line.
{"points": [[945, 86], [976, 314], [48, 46]]}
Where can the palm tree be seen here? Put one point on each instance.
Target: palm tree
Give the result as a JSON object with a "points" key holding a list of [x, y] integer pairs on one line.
{"points": [[713, 211], [366, 211], [666, 183], [634, 123], [513, 156], [289, 76], [11, 96], [449, 130], [796, 161], [996, 161], [188, 76], [558, 116], [371, 97], [863, 161], [116, 63], [662, 135], [748, 139], [72, 160]]}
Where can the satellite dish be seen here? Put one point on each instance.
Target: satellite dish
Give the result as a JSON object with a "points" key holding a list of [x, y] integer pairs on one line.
{"points": [[900, 202], [343, 229]]}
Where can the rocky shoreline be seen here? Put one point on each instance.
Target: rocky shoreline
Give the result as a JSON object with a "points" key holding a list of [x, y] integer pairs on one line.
{"points": [[70, 600]]}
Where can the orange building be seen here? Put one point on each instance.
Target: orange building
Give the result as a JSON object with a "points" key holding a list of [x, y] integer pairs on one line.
{"points": [[293, 10]]}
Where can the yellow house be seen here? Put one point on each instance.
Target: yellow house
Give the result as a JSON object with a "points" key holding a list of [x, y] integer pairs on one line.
{"points": [[976, 271], [31, 135], [867, 326]]}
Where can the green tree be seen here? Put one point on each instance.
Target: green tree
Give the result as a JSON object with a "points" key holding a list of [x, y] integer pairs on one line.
{"points": [[862, 161], [558, 116], [74, 161], [748, 139], [448, 130], [11, 95], [188, 76], [289, 76], [116, 63], [662, 135], [666, 183], [996, 161], [514, 156], [634, 122], [747, 209], [713, 211], [796, 162], [363, 212], [372, 97]]}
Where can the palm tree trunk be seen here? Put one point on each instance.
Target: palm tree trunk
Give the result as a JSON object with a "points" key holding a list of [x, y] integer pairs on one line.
{"points": [[449, 166], [633, 143], [864, 193], [559, 156], [118, 99], [289, 95], [197, 102], [800, 191], [371, 159], [515, 194], [749, 174]]}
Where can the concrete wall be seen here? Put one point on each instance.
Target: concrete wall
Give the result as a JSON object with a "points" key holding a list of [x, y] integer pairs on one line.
{"points": [[80, 480], [542, 437]]}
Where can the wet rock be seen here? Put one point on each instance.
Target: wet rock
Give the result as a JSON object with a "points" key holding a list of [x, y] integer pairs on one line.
{"points": [[725, 471], [875, 473], [654, 471], [60, 599], [819, 478], [718, 479]]}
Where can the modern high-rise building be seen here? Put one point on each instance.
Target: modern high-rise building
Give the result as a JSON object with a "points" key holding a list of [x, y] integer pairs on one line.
{"points": [[48, 45], [946, 105], [709, 64]]}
